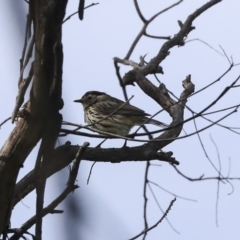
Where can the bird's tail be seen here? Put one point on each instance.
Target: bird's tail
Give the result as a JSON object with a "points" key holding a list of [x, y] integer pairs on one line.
{"points": [[157, 123]]}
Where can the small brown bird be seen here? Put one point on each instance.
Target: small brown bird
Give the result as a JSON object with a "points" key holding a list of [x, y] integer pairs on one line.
{"points": [[112, 115]]}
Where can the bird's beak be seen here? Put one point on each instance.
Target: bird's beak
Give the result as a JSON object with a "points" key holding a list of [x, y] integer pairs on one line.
{"points": [[78, 100]]}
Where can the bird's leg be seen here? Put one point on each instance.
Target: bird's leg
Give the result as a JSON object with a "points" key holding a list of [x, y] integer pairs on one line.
{"points": [[99, 145]]}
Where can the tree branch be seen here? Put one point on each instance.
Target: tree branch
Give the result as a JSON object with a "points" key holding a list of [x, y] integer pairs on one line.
{"points": [[45, 100], [156, 224], [51, 207]]}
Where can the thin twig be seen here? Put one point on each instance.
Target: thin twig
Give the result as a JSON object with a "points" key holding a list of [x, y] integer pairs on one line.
{"points": [[145, 189], [21, 92], [156, 224], [139, 12], [218, 79], [218, 182], [202, 115], [1, 124], [28, 56], [145, 25], [157, 37], [230, 62], [173, 194], [197, 39], [145, 197], [204, 149], [117, 68], [202, 178], [90, 173], [27, 28], [144, 134], [93, 4], [220, 110]]}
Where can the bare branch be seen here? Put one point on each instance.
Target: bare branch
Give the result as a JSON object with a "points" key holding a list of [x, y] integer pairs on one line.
{"points": [[51, 207], [164, 10], [156, 224], [218, 182], [202, 178], [197, 39], [145, 197], [145, 25], [158, 204], [117, 68], [7, 119], [157, 37], [139, 11], [175, 195], [29, 55], [65, 154], [27, 36], [67, 18], [44, 117], [90, 173], [22, 90], [178, 39]]}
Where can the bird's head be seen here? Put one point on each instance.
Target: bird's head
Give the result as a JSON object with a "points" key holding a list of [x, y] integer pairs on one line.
{"points": [[90, 98]]}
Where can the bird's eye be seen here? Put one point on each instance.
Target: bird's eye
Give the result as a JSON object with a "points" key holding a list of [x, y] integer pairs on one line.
{"points": [[89, 98]]}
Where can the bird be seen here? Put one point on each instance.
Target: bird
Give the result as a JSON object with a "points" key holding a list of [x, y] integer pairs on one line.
{"points": [[111, 115]]}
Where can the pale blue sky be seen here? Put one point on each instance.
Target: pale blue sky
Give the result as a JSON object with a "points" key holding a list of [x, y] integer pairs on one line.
{"points": [[114, 197]]}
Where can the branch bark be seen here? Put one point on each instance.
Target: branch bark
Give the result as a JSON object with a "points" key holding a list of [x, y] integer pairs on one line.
{"points": [[71, 186], [65, 154], [44, 104], [42, 121]]}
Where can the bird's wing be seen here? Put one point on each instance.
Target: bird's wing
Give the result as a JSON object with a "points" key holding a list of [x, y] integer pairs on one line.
{"points": [[120, 107]]}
